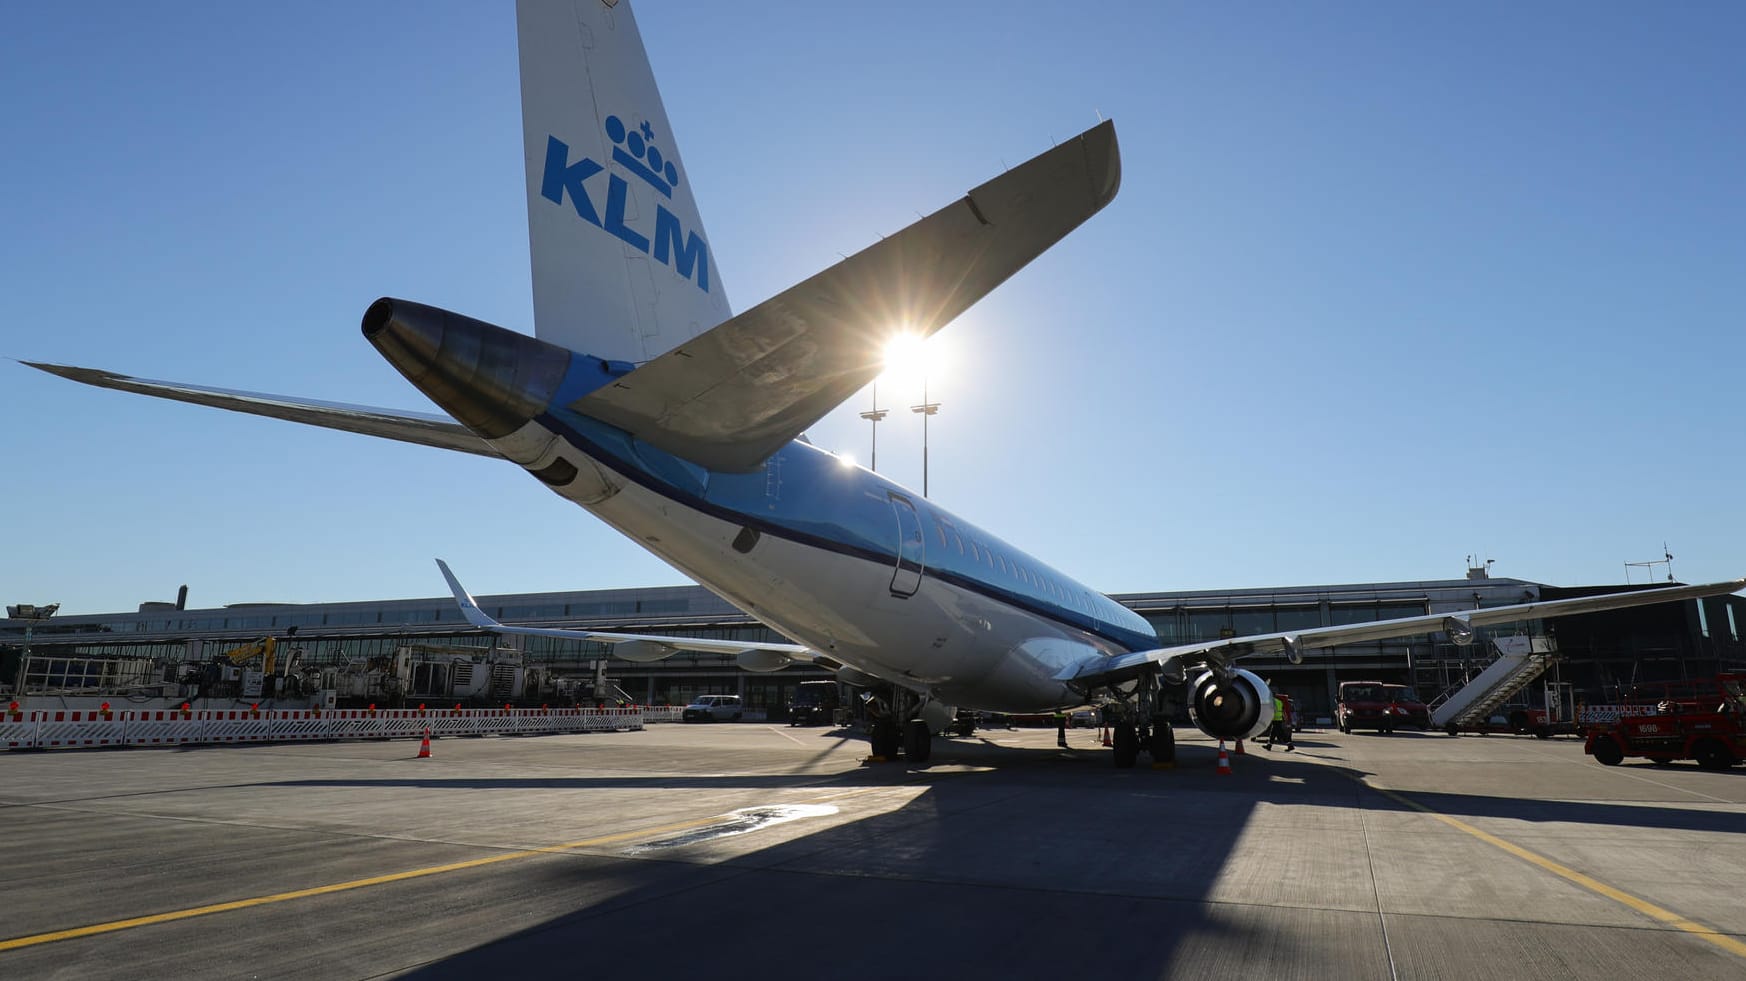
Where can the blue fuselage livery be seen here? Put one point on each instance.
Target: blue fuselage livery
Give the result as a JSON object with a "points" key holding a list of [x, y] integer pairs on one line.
{"points": [[814, 536], [670, 244]]}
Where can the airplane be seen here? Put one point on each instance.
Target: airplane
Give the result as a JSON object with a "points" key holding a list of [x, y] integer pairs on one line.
{"points": [[644, 400]]}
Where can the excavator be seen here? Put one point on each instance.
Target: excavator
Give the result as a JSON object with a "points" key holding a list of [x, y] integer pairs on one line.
{"points": [[265, 648]]}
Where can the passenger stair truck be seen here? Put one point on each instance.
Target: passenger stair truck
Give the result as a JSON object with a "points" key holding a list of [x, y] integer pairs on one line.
{"points": [[1519, 661]]}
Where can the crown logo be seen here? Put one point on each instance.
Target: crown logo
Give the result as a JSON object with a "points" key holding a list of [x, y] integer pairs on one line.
{"points": [[644, 158]]}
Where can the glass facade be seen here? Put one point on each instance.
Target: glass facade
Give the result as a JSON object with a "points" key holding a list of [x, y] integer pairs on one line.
{"points": [[342, 632]]}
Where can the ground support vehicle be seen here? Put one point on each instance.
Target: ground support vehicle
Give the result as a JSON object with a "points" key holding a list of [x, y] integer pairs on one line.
{"points": [[713, 708], [1375, 705], [1705, 722], [815, 704], [1519, 720]]}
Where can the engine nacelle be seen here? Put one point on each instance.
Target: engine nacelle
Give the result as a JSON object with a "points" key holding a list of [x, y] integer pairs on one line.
{"points": [[643, 650], [1459, 629], [1240, 708], [938, 715], [762, 660]]}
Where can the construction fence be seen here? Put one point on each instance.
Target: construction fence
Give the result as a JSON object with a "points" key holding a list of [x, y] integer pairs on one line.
{"points": [[91, 728]]}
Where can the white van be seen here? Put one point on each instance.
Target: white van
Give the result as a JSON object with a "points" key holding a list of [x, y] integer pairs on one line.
{"points": [[713, 708]]}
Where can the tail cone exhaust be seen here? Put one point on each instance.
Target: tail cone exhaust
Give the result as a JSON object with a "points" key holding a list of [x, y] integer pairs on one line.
{"points": [[490, 379]]}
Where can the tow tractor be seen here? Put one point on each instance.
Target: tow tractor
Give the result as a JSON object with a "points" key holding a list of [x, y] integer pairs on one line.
{"points": [[1703, 722]]}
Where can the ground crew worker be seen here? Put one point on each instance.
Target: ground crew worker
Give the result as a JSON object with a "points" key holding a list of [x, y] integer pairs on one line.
{"points": [[1281, 727], [1061, 729]]}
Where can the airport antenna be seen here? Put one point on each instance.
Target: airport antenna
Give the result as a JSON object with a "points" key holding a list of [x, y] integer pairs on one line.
{"points": [[1649, 565]]}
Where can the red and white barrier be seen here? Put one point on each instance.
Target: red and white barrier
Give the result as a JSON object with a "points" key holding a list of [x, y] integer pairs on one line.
{"points": [[78, 728]]}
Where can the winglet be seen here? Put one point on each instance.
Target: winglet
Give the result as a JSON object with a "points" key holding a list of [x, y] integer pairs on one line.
{"points": [[464, 600]]}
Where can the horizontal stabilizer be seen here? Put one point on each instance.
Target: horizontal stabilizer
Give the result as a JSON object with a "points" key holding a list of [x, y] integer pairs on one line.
{"points": [[731, 397], [426, 429]]}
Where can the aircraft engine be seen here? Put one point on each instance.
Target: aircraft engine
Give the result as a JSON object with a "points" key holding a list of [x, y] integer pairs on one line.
{"points": [[1240, 708], [760, 660], [642, 650], [1459, 629], [937, 715]]}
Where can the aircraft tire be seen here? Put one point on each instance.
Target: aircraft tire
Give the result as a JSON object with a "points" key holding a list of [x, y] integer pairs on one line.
{"points": [[1162, 745], [918, 742], [1127, 746], [885, 738]]}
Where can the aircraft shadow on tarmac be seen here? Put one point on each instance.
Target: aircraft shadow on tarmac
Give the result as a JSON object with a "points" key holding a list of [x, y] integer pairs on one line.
{"points": [[1019, 861]]}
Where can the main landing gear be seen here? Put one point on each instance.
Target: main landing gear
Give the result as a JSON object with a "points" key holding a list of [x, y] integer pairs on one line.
{"points": [[889, 736], [1145, 727]]}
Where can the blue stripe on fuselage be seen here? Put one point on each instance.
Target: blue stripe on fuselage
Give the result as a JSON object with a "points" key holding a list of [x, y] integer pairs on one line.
{"points": [[806, 495]]}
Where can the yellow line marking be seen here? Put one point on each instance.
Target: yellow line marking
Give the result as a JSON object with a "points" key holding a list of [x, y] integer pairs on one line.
{"points": [[1643, 906], [375, 880]]}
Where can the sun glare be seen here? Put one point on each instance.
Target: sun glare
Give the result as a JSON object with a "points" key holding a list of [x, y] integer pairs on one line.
{"points": [[909, 357]]}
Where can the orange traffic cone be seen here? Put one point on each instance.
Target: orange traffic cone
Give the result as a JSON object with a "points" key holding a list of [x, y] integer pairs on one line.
{"points": [[1106, 741], [1224, 761], [424, 747], [1239, 750]]}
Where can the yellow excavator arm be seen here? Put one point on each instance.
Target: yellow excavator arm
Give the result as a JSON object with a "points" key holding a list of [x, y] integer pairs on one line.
{"points": [[265, 648]]}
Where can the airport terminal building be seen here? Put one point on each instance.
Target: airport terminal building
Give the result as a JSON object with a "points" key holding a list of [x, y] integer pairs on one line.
{"points": [[1601, 654]]}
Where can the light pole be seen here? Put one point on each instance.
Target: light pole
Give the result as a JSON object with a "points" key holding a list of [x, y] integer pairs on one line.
{"points": [[874, 417], [926, 409], [30, 614]]}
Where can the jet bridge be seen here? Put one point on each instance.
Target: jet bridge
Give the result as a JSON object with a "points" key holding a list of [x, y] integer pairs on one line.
{"points": [[1519, 661]]}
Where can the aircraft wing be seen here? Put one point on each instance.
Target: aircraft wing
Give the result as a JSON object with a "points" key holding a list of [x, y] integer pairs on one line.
{"points": [[427, 429], [649, 646], [1121, 667], [733, 395]]}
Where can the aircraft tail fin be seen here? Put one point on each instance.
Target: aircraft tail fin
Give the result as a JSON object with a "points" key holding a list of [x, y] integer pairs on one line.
{"points": [[621, 267]]}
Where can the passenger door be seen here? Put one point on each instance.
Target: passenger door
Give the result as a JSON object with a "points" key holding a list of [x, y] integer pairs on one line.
{"points": [[911, 548]]}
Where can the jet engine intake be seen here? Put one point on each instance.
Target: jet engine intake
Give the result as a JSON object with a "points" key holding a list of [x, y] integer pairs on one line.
{"points": [[1239, 707]]}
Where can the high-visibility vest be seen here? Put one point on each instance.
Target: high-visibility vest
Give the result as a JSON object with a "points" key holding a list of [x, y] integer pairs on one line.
{"points": [[1278, 709]]}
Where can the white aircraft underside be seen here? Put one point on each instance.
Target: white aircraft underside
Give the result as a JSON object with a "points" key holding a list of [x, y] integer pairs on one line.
{"points": [[960, 647]]}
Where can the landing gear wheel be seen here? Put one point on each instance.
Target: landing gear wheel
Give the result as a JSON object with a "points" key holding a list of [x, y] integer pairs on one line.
{"points": [[1127, 745], [1607, 752], [918, 742], [1712, 754], [1162, 745], [885, 738]]}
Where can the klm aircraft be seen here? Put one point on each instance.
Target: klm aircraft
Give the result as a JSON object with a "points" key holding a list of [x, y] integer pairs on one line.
{"points": [[646, 401]]}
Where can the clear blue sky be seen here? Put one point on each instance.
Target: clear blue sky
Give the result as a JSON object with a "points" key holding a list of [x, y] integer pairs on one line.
{"points": [[1385, 284]]}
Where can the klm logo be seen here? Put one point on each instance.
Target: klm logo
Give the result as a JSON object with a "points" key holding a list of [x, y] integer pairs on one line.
{"points": [[635, 151]]}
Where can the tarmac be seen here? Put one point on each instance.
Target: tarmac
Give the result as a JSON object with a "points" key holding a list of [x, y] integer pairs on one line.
{"points": [[760, 850]]}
